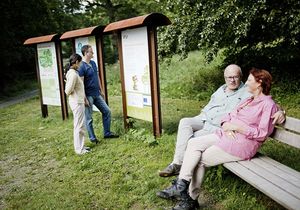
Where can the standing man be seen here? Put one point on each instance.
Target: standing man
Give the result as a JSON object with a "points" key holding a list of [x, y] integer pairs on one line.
{"points": [[223, 101], [93, 95]]}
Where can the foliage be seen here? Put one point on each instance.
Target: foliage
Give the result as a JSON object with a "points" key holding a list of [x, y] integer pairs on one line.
{"points": [[263, 33], [103, 12], [21, 20], [201, 79], [141, 135]]}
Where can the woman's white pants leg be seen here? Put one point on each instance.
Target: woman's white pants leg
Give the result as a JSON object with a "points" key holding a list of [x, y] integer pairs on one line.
{"points": [[201, 153], [79, 126]]}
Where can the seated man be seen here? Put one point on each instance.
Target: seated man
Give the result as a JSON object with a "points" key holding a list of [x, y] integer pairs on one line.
{"points": [[223, 101]]}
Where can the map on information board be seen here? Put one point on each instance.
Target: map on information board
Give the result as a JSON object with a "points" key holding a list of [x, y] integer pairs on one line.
{"points": [[47, 62]]}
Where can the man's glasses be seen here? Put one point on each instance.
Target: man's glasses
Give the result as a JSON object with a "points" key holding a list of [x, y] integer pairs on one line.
{"points": [[232, 78]]}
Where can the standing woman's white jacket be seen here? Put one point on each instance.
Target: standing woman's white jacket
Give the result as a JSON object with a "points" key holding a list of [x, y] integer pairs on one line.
{"points": [[74, 87]]}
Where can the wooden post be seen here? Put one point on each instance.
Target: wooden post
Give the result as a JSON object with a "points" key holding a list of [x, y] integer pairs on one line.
{"points": [[44, 108], [73, 46], [101, 66], [124, 101], [63, 97], [154, 75]]}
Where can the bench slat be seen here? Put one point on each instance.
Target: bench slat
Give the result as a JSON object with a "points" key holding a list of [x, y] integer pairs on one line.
{"points": [[287, 137], [292, 124], [282, 197], [280, 166], [272, 177]]}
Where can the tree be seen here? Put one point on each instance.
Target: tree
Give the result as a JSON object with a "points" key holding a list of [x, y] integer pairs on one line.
{"points": [[104, 12], [264, 33], [21, 20]]}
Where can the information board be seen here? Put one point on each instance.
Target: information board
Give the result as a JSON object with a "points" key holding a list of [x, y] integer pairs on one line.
{"points": [[48, 71], [136, 73]]}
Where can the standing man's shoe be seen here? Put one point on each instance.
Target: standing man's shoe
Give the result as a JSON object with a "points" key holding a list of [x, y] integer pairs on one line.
{"points": [[170, 170], [111, 136], [95, 141]]}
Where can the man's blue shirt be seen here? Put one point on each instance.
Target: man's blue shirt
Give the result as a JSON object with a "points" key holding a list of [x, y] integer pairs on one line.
{"points": [[91, 79], [220, 104]]}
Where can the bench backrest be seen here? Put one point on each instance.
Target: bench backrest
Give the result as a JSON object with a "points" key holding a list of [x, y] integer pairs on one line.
{"points": [[288, 132]]}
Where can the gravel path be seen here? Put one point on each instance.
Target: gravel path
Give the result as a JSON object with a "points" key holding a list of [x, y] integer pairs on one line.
{"points": [[18, 99]]}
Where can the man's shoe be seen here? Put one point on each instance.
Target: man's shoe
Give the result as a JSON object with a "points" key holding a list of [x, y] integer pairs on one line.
{"points": [[111, 136], [170, 170], [187, 204], [178, 190], [95, 141]]}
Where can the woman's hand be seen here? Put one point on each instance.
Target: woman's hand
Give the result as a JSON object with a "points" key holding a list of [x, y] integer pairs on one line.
{"points": [[227, 126], [230, 129], [86, 102]]}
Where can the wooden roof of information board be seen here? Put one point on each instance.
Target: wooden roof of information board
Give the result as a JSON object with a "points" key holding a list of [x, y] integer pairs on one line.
{"points": [[41, 39], [152, 19], [82, 32]]}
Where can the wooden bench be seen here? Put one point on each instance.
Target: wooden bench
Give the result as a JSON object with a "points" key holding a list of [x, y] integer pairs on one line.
{"points": [[278, 181]]}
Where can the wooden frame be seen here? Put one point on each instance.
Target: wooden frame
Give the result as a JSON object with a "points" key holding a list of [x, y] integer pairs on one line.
{"points": [[48, 39], [151, 21]]}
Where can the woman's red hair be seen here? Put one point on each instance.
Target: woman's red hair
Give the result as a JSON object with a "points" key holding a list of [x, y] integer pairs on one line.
{"points": [[264, 78]]}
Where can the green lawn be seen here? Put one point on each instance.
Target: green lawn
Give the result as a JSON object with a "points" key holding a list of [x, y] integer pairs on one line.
{"points": [[39, 169]]}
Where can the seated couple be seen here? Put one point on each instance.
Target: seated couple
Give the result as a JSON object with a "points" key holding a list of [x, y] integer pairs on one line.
{"points": [[216, 136]]}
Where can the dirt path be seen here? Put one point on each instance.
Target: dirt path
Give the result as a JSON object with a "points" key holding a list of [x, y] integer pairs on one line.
{"points": [[18, 99]]}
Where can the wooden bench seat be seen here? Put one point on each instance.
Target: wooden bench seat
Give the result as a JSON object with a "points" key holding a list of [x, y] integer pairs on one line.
{"points": [[278, 181]]}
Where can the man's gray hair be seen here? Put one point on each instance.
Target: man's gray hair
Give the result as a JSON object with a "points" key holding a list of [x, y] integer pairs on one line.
{"points": [[234, 66]]}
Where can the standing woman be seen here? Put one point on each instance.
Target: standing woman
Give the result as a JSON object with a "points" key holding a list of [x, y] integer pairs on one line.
{"points": [[75, 91]]}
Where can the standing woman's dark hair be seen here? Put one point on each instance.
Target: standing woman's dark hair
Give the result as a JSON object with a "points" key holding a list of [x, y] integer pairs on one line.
{"points": [[72, 60]]}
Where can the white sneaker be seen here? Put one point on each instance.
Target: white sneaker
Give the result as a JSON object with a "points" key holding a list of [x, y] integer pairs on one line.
{"points": [[87, 148], [84, 151]]}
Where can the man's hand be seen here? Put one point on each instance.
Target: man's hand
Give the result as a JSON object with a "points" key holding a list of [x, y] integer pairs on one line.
{"points": [[278, 117]]}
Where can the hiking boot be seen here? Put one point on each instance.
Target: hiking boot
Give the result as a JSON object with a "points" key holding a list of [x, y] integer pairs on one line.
{"points": [[170, 170], [187, 204], [178, 190]]}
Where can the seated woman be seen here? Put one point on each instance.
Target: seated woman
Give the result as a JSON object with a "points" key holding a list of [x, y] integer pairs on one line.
{"points": [[243, 132]]}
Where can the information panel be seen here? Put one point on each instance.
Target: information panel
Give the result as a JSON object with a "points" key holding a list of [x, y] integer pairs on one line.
{"points": [[48, 73], [136, 73]]}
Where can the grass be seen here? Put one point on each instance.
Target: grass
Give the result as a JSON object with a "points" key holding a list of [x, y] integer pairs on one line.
{"points": [[39, 169]]}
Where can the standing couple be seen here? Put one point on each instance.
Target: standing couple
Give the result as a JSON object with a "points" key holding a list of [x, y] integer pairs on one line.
{"points": [[83, 89]]}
